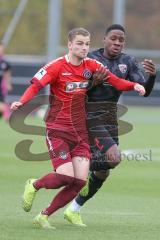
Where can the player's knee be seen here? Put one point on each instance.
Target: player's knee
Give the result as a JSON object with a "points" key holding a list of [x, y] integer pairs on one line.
{"points": [[102, 174], [114, 159], [67, 180], [78, 184]]}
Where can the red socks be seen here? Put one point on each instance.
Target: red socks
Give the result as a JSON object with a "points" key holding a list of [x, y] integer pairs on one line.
{"points": [[53, 181], [66, 195]]}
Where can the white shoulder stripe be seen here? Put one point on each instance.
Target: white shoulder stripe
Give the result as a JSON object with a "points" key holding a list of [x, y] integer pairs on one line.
{"points": [[94, 60], [53, 61], [56, 60]]}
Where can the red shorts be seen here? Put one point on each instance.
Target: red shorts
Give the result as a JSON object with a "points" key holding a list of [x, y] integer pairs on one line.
{"points": [[62, 148]]}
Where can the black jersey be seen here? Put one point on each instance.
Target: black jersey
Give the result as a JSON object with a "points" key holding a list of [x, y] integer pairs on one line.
{"points": [[124, 66], [4, 67], [102, 99]]}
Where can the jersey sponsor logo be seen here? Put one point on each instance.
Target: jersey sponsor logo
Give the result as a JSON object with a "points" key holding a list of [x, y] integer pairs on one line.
{"points": [[76, 86], [122, 68], [87, 74], [40, 74]]}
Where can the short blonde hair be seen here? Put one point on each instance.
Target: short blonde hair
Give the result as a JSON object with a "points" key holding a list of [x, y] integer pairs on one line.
{"points": [[77, 31]]}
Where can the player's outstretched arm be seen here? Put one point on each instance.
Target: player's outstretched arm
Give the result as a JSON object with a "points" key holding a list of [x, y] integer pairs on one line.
{"points": [[124, 85], [102, 74], [27, 96], [119, 83]]}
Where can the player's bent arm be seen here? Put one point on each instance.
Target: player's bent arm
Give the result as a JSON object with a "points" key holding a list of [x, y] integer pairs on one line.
{"points": [[137, 75], [149, 68], [122, 84], [149, 84], [119, 83]]}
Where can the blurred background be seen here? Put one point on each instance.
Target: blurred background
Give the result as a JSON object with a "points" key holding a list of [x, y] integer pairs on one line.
{"points": [[35, 32]]}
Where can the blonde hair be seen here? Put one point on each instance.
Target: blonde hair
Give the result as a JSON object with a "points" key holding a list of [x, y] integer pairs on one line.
{"points": [[77, 31]]}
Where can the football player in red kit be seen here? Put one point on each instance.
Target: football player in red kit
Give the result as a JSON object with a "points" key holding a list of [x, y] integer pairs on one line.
{"points": [[66, 131]]}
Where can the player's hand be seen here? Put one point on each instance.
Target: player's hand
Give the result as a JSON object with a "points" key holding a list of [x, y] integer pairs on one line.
{"points": [[140, 89], [99, 76], [149, 67], [16, 105]]}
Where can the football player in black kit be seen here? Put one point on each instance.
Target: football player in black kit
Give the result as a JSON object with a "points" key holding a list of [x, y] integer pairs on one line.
{"points": [[5, 80], [102, 110]]}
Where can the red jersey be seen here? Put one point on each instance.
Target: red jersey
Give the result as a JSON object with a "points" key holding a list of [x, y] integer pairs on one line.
{"points": [[68, 85]]}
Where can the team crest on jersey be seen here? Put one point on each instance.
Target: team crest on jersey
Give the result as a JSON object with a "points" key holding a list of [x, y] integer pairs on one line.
{"points": [[63, 155], [122, 68], [87, 74]]}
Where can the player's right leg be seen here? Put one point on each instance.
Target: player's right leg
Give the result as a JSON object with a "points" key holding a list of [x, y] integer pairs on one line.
{"points": [[65, 175], [95, 181], [80, 163], [28, 195], [52, 180], [65, 195]]}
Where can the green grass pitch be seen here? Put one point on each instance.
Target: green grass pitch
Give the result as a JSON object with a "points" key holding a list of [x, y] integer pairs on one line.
{"points": [[126, 208]]}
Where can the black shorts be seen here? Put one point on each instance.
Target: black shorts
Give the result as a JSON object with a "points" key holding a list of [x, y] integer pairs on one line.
{"points": [[102, 126], [104, 137]]}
